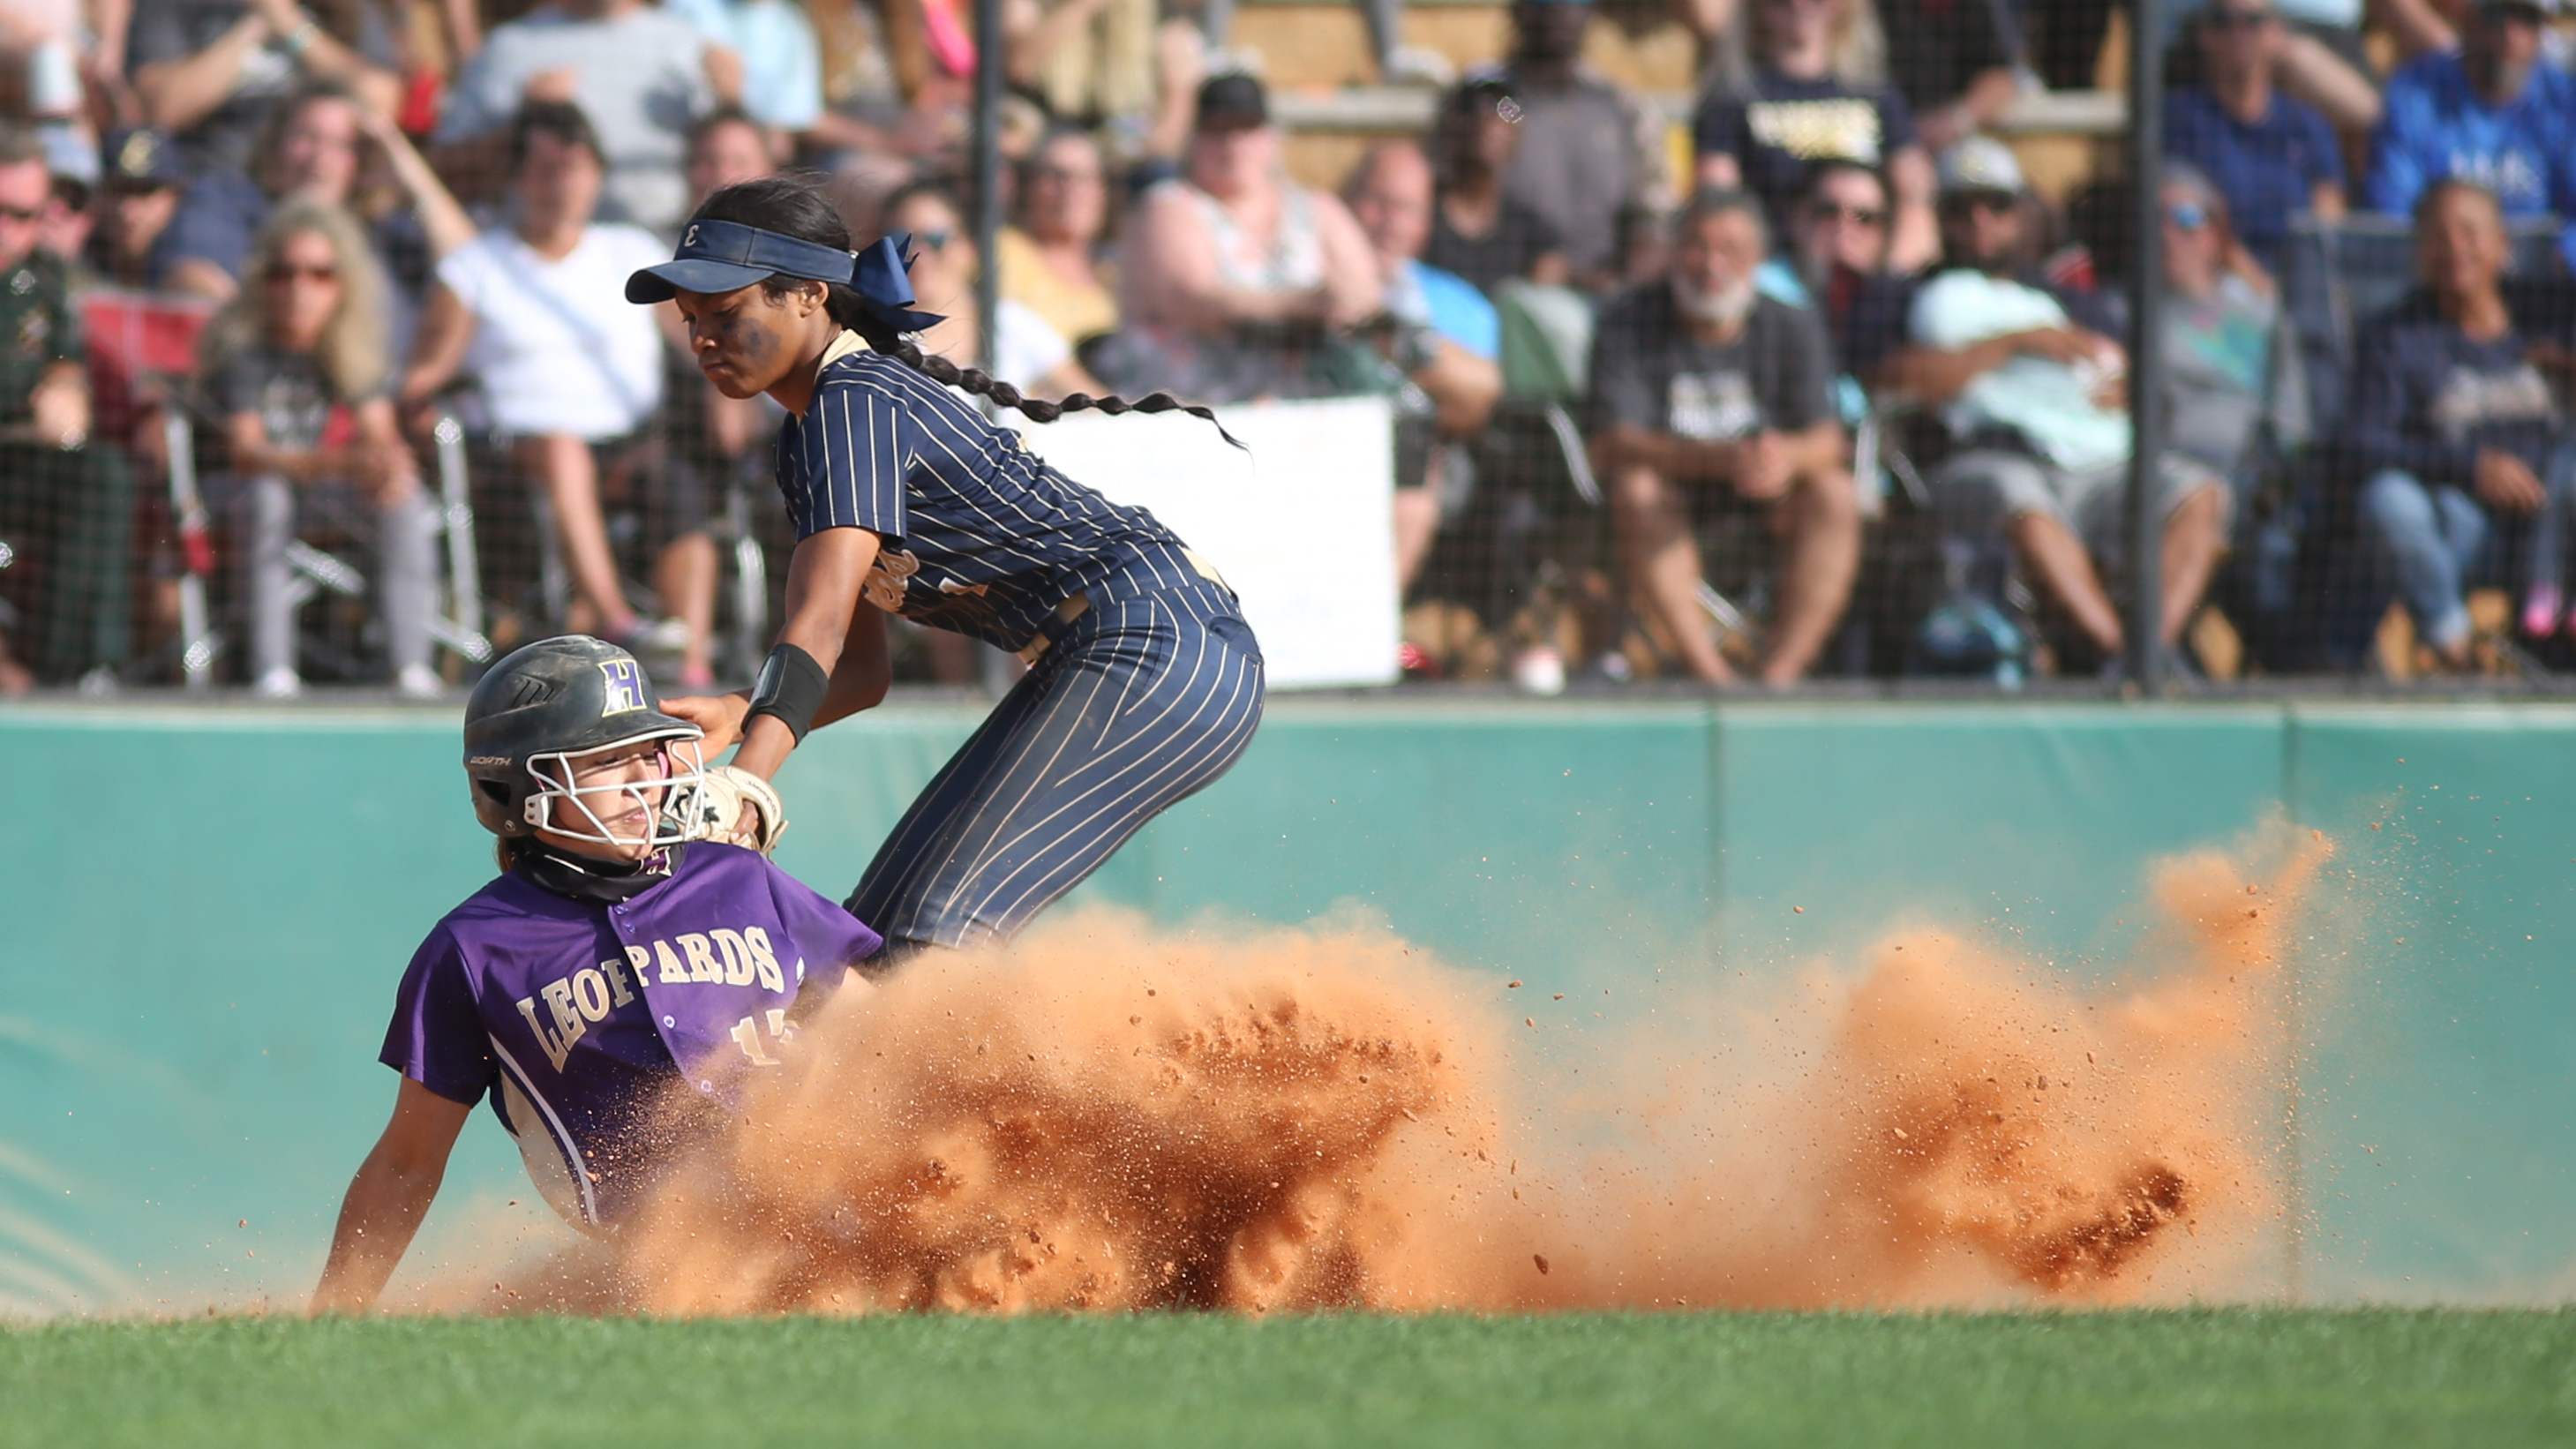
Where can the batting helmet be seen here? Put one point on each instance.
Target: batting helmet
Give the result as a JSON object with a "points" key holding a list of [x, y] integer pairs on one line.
{"points": [[539, 711]]}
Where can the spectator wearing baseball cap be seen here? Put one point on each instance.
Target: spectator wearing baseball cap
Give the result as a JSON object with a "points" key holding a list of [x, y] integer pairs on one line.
{"points": [[1586, 148], [138, 193], [1233, 274], [2033, 398], [2492, 113]]}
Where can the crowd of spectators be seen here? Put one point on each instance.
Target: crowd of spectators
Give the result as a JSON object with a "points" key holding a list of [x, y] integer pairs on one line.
{"points": [[1817, 332]]}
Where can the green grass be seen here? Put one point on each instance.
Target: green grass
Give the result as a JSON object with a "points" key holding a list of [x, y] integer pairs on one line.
{"points": [[2076, 1381]]}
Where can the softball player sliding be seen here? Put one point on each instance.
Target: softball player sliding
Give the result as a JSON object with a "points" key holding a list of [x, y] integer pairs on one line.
{"points": [[1145, 683], [609, 964]]}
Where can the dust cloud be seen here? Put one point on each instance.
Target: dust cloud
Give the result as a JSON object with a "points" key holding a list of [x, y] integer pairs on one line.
{"points": [[1111, 1116]]}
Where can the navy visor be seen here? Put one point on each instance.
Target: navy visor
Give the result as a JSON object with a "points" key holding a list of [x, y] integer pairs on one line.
{"points": [[724, 256]]}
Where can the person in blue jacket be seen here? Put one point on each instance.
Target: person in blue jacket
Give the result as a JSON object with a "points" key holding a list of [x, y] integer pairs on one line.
{"points": [[2493, 113]]}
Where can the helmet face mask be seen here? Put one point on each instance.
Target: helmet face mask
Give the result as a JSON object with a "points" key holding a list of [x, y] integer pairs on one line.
{"points": [[556, 777], [538, 715]]}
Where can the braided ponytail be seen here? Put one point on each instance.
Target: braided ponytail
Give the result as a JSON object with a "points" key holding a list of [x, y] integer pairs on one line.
{"points": [[795, 206], [940, 369]]}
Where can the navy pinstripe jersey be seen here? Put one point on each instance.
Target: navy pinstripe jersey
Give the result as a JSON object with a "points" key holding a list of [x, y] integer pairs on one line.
{"points": [[980, 535]]}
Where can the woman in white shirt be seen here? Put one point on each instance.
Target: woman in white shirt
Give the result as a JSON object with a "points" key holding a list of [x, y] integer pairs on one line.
{"points": [[571, 377]]}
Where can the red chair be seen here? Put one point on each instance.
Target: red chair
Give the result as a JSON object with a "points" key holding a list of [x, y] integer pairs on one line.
{"points": [[142, 349]]}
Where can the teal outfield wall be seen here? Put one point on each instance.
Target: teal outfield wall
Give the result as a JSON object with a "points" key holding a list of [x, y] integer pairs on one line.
{"points": [[203, 913]]}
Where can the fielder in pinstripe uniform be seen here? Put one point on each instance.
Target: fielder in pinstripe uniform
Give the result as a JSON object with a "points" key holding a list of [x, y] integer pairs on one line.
{"points": [[1145, 684]]}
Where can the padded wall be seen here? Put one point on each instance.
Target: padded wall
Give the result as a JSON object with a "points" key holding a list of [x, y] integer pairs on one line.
{"points": [[203, 913]]}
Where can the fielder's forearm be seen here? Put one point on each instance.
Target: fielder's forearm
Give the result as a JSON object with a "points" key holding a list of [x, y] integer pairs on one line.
{"points": [[825, 577]]}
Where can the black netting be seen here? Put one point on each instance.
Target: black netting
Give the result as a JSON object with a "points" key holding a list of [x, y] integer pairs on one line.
{"points": [[1889, 442]]}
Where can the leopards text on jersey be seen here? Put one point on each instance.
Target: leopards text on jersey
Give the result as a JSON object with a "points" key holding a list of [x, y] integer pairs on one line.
{"points": [[578, 1017]]}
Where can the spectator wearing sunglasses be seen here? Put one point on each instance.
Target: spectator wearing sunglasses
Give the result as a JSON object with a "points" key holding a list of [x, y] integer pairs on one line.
{"points": [[300, 368], [1841, 255], [1795, 111], [2493, 114], [2268, 154], [2224, 377], [2034, 398], [1027, 353], [66, 501]]}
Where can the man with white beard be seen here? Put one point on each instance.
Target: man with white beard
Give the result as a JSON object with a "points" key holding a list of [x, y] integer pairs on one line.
{"points": [[1706, 397]]}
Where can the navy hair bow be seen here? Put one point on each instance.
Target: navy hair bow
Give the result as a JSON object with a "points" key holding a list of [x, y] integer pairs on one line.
{"points": [[722, 256], [883, 283]]}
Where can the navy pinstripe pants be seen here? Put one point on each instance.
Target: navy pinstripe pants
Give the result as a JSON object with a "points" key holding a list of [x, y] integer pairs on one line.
{"points": [[1139, 703]]}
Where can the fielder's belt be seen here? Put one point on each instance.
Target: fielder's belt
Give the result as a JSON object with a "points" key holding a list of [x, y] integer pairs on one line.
{"points": [[1080, 604]]}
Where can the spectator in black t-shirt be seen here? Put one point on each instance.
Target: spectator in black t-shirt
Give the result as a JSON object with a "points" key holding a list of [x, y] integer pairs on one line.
{"points": [[1707, 395], [300, 368], [2453, 428], [1794, 112], [1477, 232]]}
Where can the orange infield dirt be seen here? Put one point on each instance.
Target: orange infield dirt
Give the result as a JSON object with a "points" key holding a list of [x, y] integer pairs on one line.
{"points": [[1111, 1116]]}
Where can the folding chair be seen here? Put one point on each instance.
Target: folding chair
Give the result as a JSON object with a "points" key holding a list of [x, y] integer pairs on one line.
{"points": [[457, 624], [741, 638], [142, 350], [746, 644], [1546, 359]]}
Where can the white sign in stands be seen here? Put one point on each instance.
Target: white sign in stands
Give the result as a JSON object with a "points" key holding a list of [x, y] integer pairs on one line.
{"points": [[1302, 525]]}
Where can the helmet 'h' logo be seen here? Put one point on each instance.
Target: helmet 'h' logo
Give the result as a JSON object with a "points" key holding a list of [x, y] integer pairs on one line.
{"points": [[625, 686]]}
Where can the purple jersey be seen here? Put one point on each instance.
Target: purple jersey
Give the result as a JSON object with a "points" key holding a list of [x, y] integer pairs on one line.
{"points": [[578, 1016]]}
